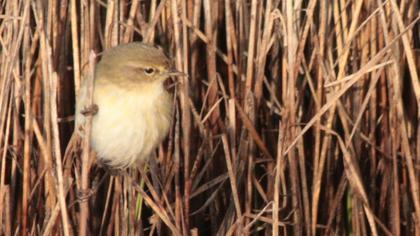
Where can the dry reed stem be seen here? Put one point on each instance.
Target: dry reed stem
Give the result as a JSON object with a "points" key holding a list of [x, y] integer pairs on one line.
{"points": [[298, 117], [84, 186]]}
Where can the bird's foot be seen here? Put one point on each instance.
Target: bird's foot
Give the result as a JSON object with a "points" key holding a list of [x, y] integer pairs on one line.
{"points": [[90, 110]]}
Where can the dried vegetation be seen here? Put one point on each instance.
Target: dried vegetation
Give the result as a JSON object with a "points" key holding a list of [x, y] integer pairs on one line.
{"points": [[298, 118]]}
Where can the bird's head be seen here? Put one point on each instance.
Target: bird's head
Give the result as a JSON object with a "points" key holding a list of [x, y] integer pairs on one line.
{"points": [[135, 63]]}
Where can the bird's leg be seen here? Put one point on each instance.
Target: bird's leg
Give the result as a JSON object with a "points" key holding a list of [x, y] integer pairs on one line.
{"points": [[90, 110]]}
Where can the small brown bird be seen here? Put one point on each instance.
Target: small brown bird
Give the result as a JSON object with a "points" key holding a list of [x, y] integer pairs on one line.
{"points": [[134, 109]]}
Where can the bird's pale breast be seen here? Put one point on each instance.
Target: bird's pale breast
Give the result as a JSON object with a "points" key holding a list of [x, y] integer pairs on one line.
{"points": [[130, 123]]}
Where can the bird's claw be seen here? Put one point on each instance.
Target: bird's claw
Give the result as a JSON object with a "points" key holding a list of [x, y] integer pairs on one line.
{"points": [[90, 110]]}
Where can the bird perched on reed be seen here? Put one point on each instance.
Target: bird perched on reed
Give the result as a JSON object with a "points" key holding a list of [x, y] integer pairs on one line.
{"points": [[134, 109]]}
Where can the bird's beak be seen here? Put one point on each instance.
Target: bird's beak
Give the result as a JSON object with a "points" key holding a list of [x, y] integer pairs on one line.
{"points": [[175, 72]]}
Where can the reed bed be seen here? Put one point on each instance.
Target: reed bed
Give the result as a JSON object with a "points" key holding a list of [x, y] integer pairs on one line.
{"points": [[297, 118]]}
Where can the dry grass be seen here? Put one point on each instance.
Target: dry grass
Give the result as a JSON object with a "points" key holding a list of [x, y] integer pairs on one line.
{"points": [[299, 117]]}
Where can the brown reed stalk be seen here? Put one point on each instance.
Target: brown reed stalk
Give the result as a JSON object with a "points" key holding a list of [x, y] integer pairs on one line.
{"points": [[298, 117]]}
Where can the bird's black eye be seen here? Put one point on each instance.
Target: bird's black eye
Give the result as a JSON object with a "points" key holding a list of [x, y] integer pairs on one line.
{"points": [[149, 71]]}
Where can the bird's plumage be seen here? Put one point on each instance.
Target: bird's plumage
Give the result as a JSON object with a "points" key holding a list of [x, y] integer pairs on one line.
{"points": [[134, 109]]}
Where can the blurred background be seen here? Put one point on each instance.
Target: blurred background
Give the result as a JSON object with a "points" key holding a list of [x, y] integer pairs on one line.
{"points": [[299, 117]]}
